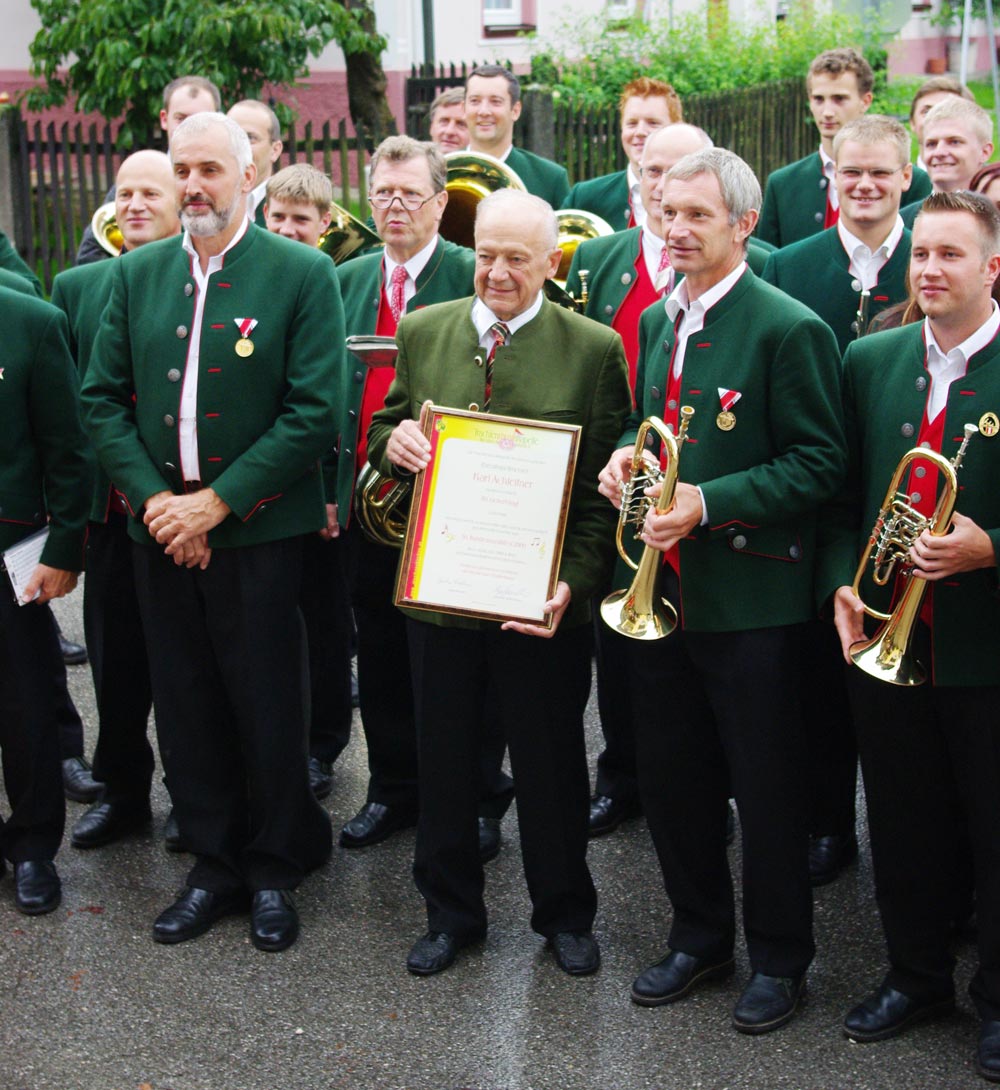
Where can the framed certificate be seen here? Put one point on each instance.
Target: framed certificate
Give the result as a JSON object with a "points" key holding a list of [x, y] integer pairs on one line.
{"points": [[488, 517]]}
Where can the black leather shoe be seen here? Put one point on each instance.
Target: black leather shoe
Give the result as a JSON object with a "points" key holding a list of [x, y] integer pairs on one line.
{"points": [[73, 654], [434, 952], [194, 912], [374, 823], [107, 822], [888, 1013], [37, 888], [274, 923], [828, 855], [675, 976], [606, 814], [988, 1051], [489, 838], [768, 1002], [172, 839], [576, 952], [79, 784], [320, 777]]}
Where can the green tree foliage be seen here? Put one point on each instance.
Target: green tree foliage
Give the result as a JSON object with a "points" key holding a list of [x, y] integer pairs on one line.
{"points": [[696, 53], [116, 56]]}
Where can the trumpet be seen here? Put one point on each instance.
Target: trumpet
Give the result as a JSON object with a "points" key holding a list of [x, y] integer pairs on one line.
{"points": [[888, 655], [860, 323], [640, 612]]}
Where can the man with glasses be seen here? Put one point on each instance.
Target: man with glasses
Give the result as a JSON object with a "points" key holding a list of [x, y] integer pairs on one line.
{"points": [[417, 268]]}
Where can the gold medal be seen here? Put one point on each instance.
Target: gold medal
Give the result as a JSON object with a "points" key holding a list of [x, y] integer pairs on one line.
{"points": [[725, 421], [989, 425], [244, 347]]}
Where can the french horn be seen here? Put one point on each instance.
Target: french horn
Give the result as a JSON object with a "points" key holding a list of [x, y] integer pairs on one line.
{"points": [[104, 224], [888, 655]]}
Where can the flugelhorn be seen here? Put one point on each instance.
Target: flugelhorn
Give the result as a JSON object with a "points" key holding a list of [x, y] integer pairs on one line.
{"points": [[640, 612], [888, 655]]}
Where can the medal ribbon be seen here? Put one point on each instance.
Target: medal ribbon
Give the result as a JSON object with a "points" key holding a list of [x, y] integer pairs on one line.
{"points": [[728, 398], [245, 325]]}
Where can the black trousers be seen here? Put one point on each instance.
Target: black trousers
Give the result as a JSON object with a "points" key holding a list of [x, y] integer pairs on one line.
{"points": [[931, 764], [29, 736], [385, 689], [540, 690], [123, 757], [616, 775], [719, 712], [326, 610], [227, 662], [67, 717]]}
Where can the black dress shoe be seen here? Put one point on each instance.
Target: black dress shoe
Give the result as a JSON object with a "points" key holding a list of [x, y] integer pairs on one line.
{"points": [[675, 976], [576, 952], [320, 777], [606, 814], [194, 912], [79, 784], [172, 839], [374, 823], [828, 855], [37, 888], [73, 654], [274, 923], [489, 838], [107, 822], [988, 1051], [435, 952], [888, 1013], [768, 1002]]}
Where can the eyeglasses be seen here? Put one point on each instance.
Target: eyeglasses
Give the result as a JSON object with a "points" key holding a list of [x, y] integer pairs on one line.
{"points": [[409, 201], [854, 174]]}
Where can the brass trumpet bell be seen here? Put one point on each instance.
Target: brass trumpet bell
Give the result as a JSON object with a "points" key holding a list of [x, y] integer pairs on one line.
{"points": [[104, 224], [471, 177], [576, 226], [345, 235]]}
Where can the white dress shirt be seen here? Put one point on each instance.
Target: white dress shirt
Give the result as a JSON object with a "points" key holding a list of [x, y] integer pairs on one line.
{"points": [[866, 264], [829, 171], [414, 267], [944, 367]]}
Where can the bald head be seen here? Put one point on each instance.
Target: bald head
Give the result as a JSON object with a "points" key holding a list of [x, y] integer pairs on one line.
{"points": [[145, 201], [663, 149]]}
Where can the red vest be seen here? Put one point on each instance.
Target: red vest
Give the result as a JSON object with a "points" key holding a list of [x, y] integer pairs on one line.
{"points": [[626, 322]]}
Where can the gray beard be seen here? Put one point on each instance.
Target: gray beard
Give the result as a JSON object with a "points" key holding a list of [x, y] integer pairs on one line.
{"points": [[211, 223]]}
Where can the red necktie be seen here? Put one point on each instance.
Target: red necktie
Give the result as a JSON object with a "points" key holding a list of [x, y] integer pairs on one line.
{"points": [[661, 282], [397, 301], [501, 335]]}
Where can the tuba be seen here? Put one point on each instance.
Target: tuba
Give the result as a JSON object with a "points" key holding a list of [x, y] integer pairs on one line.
{"points": [[105, 227], [472, 175], [887, 655], [576, 226], [640, 612], [345, 235]]}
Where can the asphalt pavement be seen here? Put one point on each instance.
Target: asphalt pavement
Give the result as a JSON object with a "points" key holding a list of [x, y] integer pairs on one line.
{"points": [[89, 1002]]}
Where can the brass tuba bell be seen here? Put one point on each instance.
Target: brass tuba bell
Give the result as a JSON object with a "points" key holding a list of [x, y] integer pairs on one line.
{"points": [[576, 226], [640, 612], [104, 224], [345, 235], [888, 655], [471, 177]]}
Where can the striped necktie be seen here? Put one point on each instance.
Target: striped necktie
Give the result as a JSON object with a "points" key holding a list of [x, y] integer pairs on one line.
{"points": [[501, 335], [397, 300]]}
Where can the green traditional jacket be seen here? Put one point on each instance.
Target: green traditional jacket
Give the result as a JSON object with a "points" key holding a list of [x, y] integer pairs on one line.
{"points": [[44, 468], [12, 261], [816, 271], [607, 197], [448, 275], [264, 419], [541, 176], [910, 212], [560, 368], [81, 294], [795, 200], [885, 394], [764, 480]]}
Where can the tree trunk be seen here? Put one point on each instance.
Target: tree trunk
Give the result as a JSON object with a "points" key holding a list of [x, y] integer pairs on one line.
{"points": [[366, 84]]}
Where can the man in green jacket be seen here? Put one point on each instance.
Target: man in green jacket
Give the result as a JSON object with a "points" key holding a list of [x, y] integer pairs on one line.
{"points": [[716, 706], [44, 483], [929, 751], [801, 198], [645, 105], [492, 105], [549, 364], [210, 397]]}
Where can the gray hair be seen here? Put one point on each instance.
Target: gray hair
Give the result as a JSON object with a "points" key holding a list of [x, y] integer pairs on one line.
{"points": [[514, 204], [199, 124], [401, 149], [737, 182]]}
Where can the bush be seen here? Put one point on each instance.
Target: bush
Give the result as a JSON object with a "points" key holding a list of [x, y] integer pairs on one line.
{"points": [[697, 53]]}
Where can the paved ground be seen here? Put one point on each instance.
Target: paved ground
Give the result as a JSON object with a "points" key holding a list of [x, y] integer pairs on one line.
{"points": [[89, 1002]]}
